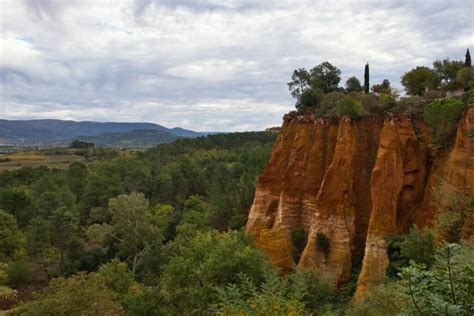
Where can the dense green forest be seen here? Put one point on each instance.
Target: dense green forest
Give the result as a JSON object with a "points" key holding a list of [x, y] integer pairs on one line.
{"points": [[160, 233]]}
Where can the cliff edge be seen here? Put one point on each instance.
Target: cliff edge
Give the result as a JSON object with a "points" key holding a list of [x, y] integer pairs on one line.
{"points": [[353, 182]]}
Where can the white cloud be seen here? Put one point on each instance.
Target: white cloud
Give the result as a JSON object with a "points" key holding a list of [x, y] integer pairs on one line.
{"points": [[206, 64]]}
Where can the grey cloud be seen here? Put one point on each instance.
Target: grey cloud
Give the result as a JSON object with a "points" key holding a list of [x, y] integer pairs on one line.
{"points": [[206, 65]]}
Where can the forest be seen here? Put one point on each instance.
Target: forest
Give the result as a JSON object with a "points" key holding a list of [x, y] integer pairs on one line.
{"points": [[161, 233]]}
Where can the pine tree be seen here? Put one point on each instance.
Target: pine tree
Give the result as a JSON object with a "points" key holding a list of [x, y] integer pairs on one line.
{"points": [[366, 79], [467, 61]]}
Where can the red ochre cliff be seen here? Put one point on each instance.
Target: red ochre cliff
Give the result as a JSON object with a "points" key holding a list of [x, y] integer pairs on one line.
{"points": [[355, 182]]}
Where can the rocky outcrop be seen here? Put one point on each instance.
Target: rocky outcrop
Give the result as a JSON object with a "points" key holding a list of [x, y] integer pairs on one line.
{"points": [[353, 182]]}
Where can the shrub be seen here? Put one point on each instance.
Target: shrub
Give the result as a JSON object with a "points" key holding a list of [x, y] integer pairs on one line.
{"points": [[385, 299], [349, 107], [322, 242], [80, 294], [328, 106], [309, 99], [387, 102], [371, 104], [453, 211], [411, 105], [19, 273], [441, 116], [298, 238], [419, 246]]}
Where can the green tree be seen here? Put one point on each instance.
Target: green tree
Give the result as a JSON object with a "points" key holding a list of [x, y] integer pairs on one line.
{"points": [[10, 236], [419, 246], [132, 225], [38, 237], [467, 60], [353, 85], [309, 99], [385, 299], [441, 116], [205, 261], [17, 201], [80, 294], [299, 82], [419, 80], [194, 218], [349, 107], [116, 276], [366, 79], [328, 106], [447, 288], [64, 224], [325, 77], [465, 78], [447, 69], [301, 293]]}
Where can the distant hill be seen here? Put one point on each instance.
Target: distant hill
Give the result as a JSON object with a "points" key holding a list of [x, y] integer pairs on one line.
{"points": [[31, 132], [139, 138]]}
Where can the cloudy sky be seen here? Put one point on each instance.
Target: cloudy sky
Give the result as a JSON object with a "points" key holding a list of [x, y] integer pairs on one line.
{"points": [[207, 65]]}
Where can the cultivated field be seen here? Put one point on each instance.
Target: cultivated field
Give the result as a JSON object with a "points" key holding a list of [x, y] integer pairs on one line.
{"points": [[34, 159]]}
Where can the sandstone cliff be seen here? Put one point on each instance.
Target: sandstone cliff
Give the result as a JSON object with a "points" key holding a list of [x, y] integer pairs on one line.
{"points": [[354, 182]]}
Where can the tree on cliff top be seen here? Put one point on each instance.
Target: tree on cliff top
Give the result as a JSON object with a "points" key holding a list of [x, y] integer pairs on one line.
{"points": [[325, 77], [447, 69], [353, 85], [467, 61], [366, 79], [299, 82], [419, 80]]}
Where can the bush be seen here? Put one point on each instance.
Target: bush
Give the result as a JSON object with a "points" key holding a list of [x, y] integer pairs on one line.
{"points": [[80, 294], [322, 242], [349, 107], [328, 106], [419, 246], [385, 299], [441, 116], [387, 102], [298, 238], [410, 105], [371, 104], [309, 99], [19, 273]]}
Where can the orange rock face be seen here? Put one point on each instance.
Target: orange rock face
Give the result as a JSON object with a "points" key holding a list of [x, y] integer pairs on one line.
{"points": [[353, 182]]}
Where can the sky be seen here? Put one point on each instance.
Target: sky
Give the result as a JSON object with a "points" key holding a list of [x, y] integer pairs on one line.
{"points": [[207, 65]]}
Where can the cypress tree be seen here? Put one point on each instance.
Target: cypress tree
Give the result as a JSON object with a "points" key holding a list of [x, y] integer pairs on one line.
{"points": [[366, 79], [467, 62]]}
